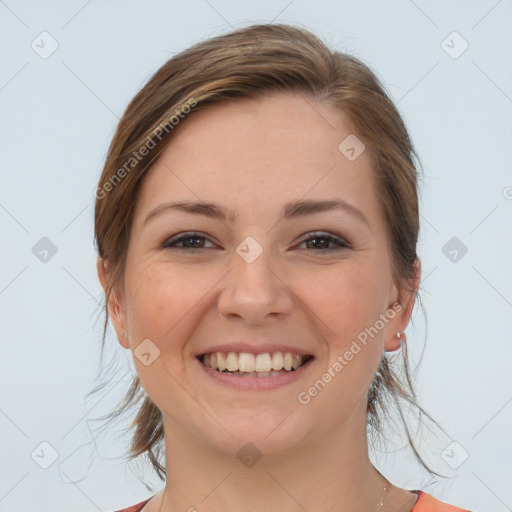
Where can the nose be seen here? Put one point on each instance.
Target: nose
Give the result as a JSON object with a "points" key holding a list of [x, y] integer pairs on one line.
{"points": [[255, 289]]}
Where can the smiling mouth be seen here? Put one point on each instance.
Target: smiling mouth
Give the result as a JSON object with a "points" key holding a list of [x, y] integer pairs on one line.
{"points": [[254, 365]]}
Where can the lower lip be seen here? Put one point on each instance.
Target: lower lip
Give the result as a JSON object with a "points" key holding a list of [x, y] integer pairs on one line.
{"points": [[256, 383]]}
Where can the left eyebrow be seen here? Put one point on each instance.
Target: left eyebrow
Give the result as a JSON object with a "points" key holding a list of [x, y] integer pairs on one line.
{"points": [[308, 206], [291, 210]]}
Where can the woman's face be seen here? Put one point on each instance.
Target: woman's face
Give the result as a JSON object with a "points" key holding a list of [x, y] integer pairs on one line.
{"points": [[272, 277]]}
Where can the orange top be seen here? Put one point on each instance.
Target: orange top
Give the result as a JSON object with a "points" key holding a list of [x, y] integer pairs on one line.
{"points": [[425, 503]]}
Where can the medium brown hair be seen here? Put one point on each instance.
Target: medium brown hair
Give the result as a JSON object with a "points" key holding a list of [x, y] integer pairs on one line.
{"points": [[249, 63]]}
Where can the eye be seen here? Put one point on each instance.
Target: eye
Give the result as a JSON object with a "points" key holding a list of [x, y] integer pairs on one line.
{"points": [[321, 241], [191, 240]]}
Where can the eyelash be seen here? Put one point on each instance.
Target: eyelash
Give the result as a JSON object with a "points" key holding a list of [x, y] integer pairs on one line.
{"points": [[341, 244]]}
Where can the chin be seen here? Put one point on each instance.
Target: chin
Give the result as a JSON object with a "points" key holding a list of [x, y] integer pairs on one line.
{"points": [[265, 432]]}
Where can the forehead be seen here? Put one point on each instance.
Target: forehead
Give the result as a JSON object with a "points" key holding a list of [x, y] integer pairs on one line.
{"points": [[256, 154], [294, 122]]}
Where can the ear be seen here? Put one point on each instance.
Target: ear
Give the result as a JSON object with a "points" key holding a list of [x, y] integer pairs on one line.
{"points": [[406, 297], [116, 307]]}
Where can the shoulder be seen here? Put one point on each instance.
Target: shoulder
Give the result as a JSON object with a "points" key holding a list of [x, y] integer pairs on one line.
{"points": [[427, 503], [134, 508]]}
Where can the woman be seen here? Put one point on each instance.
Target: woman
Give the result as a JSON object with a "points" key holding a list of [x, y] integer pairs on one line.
{"points": [[256, 223]]}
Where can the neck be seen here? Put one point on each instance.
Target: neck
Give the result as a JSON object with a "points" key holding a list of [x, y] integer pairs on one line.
{"points": [[328, 472]]}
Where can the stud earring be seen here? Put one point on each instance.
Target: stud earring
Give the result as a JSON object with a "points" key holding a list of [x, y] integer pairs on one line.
{"points": [[401, 336]]}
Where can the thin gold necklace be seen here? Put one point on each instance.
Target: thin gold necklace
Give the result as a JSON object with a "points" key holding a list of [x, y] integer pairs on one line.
{"points": [[380, 505]]}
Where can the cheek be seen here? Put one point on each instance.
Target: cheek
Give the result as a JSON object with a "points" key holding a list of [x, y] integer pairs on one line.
{"points": [[349, 302], [161, 309], [162, 304], [347, 299]]}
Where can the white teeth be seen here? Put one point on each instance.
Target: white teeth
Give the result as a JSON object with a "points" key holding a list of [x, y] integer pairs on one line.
{"points": [[264, 364], [288, 361], [232, 362], [277, 361], [246, 362], [221, 361], [296, 361]]}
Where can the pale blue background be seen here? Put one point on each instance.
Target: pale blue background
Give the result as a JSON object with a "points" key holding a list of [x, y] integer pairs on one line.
{"points": [[57, 118]]}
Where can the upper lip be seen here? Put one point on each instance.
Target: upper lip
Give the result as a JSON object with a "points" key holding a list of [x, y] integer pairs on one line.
{"points": [[253, 348]]}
